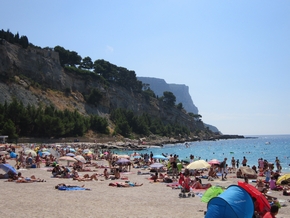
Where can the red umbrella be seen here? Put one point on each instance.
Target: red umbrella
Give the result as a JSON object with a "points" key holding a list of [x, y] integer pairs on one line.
{"points": [[263, 204], [214, 161]]}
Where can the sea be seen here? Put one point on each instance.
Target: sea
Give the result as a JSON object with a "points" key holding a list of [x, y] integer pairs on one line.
{"points": [[253, 148]]}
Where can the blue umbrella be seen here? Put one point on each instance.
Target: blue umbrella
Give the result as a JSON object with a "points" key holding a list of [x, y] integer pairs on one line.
{"points": [[72, 150], [45, 153], [70, 154], [160, 157], [156, 165], [7, 168], [122, 161]]}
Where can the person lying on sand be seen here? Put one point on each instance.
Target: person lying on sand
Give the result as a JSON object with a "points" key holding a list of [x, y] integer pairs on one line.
{"points": [[29, 180], [197, 184], [21, 179], [125, 185], [86, 177], [70, 186], [11, 176]]}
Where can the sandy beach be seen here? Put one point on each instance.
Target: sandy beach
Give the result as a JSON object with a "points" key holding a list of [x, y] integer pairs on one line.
{"points": [[41, 199]]}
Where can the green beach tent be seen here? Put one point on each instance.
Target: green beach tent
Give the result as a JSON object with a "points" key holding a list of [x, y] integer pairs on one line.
{"points": [[213, 191]]}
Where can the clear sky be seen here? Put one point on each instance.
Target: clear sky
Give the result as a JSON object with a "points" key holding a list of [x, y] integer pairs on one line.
{"points": [[233, 55]]}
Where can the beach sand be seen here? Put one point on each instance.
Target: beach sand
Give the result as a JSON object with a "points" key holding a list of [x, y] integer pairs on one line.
{"points": [[41, 199]]}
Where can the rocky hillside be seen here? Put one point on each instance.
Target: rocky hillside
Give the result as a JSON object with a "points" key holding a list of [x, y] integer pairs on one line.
{"points": [[181, 92], [35, 76]]}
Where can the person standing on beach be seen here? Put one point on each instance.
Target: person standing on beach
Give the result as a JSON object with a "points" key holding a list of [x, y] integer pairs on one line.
{"points": [[223, 168], [191, 158], [244, 161], [278, 165], [174, 168], [233, 163], [261, 164], [37, 160], [238, 163]]}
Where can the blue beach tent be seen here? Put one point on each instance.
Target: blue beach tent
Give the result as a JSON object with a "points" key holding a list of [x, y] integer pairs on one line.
{"points": [[235, 202]]}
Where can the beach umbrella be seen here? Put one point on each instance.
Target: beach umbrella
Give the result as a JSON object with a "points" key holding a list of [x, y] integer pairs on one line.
{"points": [[214, 161], [249, 172], [67, 158], [7, 168], [199, 164], [70, 154], [54, 152], [3, 152], [124, 156], [283, 178], [80, 158], [27, 152], [161, 157], [44, 153], [262, 202], [89, 154], [72, 150], [156, 165], [210, 193], [86, 151], [122, 161]]}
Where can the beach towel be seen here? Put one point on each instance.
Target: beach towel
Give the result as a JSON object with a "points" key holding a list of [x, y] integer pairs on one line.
{"points": [[74, 188]]}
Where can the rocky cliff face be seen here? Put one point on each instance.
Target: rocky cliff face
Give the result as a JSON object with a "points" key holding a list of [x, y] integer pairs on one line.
{"points": [[40, 66], [181, 92]]}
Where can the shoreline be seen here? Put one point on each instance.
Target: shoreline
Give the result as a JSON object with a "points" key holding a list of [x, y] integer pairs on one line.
{"points": [[122, 143]]}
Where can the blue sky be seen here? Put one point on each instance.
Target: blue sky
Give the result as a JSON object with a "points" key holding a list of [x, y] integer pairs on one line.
{"points": [[233, 55]]}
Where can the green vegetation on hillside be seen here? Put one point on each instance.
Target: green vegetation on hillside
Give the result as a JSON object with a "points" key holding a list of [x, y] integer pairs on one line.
{"points": [[14, 39], [19, 121], [127, 123]]}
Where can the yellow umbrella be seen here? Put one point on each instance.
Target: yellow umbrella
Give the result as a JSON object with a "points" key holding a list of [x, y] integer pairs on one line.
{"points": [[283, 178], [199, 164]]}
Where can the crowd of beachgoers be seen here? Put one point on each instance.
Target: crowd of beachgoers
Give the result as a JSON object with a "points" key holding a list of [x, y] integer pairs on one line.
{"points": [[82, 163]]}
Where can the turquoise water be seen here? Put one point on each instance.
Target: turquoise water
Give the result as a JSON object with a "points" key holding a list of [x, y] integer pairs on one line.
{"points": [[267, 147]]}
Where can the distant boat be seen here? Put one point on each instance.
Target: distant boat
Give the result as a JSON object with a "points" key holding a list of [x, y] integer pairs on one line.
{"points": [[267, 143]]}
